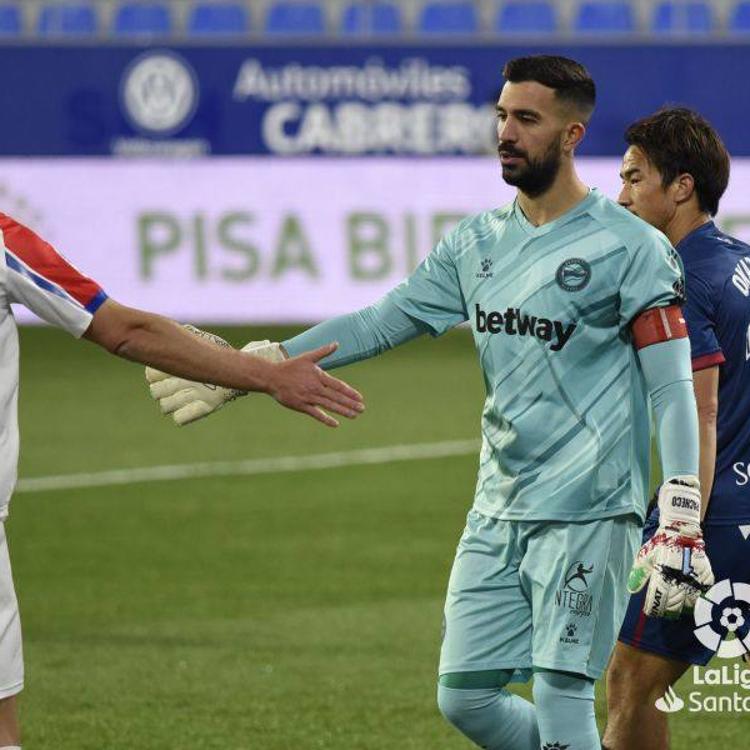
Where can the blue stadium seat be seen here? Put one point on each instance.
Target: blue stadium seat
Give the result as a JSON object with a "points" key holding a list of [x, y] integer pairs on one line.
{"points": [[134, 19], [739, 22], [681, 18], [72, 19], [218, 19], [526, 17], [295, 18], [449, 18], [371, 18], [10, 20], [605, 18]]}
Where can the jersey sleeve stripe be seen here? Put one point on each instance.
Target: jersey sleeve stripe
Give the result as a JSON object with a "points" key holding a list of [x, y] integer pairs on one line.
{"points": [[14, 264], [708, 360], [45, 263], [97, 301]]}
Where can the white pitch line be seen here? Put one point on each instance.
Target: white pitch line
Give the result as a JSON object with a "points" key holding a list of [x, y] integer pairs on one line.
{"points": [[280, 464]]}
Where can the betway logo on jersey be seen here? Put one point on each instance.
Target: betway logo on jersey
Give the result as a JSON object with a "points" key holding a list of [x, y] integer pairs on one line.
{"points": [[513, 322]]}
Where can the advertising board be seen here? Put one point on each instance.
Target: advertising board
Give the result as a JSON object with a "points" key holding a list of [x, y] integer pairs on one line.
{"points": [[266, 240]]}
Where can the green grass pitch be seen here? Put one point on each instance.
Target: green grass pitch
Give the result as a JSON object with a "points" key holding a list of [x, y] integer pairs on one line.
{"points": [[271, 612]]}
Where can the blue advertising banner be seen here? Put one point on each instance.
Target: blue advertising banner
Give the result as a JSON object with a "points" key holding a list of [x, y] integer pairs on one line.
{"points": [[332, 100]]}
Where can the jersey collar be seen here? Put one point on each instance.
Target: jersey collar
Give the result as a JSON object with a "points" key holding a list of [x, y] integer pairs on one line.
{"points": [[704, 229], [534, 231]]}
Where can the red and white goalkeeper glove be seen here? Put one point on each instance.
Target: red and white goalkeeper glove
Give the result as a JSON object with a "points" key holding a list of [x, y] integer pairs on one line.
{"points": [[673, 562]]}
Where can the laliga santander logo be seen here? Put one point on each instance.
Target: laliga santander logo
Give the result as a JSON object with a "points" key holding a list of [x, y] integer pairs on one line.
{"points": [[723, 603], [731, 619], [671, 702]]}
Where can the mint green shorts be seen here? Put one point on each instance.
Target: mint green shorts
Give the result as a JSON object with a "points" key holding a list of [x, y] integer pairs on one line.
{"points": [[537, 594]]}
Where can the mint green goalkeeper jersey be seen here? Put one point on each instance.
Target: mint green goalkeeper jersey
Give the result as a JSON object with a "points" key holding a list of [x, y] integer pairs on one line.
{"points": [[566, 422]]}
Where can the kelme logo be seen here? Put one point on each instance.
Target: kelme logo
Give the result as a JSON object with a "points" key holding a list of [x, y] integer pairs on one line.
{"points": [[486, 272], [573, 274]]}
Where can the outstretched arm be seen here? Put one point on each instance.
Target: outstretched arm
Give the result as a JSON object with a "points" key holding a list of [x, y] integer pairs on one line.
{"points": [[429, 301], [37, 276], [298, 383], [159, 342], [360, 335]]}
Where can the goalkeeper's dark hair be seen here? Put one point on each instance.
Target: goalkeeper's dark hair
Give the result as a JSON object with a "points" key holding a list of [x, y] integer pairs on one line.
{"points": [[569, 79], [677, 140]]}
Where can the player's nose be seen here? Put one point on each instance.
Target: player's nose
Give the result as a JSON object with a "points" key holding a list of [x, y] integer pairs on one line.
{"points": [[506, 133]]}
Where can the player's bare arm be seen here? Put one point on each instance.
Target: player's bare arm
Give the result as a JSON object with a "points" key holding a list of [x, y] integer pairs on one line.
{"points": [[360, 335], [298, 384], [706, 384]]}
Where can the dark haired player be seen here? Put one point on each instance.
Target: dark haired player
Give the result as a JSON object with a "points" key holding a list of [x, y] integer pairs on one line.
{"points": [[563, 324], [674, 173]]}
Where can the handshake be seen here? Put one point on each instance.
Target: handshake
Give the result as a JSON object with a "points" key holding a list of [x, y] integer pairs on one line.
{"points": [[297, 383]]}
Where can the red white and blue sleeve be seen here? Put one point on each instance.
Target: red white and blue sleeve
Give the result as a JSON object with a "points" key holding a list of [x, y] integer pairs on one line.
{"points": [[38, 277]]}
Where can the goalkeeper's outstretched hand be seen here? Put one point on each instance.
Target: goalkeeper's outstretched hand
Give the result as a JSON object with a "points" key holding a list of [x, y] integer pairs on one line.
{"points": [[673, 563], [297, 383]]}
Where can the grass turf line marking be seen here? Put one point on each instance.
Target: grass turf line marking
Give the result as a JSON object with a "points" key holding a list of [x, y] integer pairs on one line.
{"points": [[280, 465]]}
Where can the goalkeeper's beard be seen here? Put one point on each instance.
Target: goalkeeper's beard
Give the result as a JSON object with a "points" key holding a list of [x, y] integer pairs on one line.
{"points": [[535, 176]]}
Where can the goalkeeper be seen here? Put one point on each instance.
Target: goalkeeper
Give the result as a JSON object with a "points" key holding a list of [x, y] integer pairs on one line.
{"points": [[574, 305]]}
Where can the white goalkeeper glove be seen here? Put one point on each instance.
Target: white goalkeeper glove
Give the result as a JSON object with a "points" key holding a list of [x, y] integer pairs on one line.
{"points": [[673, 562], [187, 400]]}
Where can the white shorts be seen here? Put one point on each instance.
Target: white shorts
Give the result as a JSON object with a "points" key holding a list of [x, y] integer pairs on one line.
{"points": [[11, 651]]}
